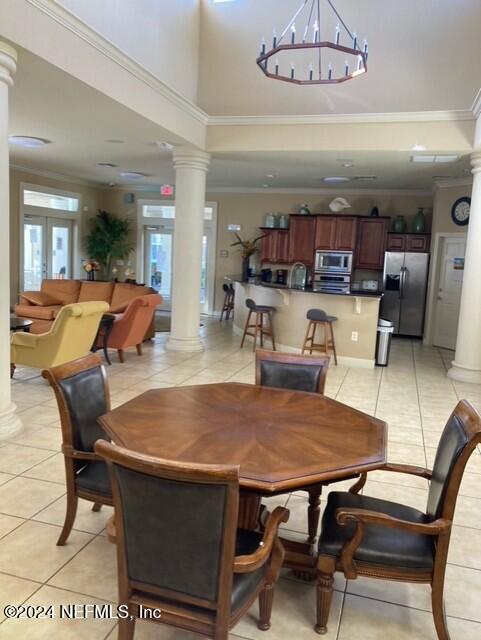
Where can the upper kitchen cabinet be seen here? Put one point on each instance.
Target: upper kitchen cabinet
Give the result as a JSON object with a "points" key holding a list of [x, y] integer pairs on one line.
{"points": [[411, 242], [371, 242], [301, 238], [275, 246], [335, 233]]}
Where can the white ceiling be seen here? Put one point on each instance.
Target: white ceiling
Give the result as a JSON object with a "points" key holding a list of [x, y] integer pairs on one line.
{"points": [[48, 103], [423, 56]]}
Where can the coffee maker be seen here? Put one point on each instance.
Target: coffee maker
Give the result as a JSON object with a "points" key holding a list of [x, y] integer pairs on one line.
{"points": [[281, 276]]}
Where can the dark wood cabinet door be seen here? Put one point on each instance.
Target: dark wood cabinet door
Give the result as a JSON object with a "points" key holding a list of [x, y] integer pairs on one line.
{"points": [[268, 246], [325, 233], [282, 246], [418, 242], [301, 239], [396, 242], [371, 243], [346, 231]]}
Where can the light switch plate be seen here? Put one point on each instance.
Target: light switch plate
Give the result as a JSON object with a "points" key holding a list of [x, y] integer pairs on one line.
{"points": [[224, 253]]}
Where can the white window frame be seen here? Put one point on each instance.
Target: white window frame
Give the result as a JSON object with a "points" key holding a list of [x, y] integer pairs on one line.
{"points": [[46, 212], [169, 223]]}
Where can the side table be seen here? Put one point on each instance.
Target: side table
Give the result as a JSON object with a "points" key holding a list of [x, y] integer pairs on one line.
{"points": [[105, 329]]}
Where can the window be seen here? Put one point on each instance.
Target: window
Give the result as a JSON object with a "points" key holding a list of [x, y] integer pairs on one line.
{"points": [[168, 211], [50, 201]]}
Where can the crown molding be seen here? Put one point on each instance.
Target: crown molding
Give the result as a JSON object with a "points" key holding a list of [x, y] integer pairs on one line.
{"points": [[74, 24], [476, 108], [60, 177], [346, 118], [321, 191], [453, 182]]}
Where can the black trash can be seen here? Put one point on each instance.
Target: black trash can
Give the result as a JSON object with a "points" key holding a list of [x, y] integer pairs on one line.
{"points": [[385, 329]]}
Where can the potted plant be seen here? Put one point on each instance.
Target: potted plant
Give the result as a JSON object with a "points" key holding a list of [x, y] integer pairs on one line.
{"points": [[247, 249], [108, 241]]}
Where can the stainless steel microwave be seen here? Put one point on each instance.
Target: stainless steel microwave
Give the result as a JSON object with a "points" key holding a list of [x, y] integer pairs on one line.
{"points": [[334, 261]]}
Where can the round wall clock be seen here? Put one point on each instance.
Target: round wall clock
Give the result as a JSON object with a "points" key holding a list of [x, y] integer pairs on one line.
{"points": [[460, 211]]}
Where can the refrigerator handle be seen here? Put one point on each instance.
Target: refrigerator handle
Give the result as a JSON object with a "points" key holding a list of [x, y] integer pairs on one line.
{"points": [[402, 281]]}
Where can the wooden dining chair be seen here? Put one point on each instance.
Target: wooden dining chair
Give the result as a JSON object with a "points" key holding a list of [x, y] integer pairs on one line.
{"points": [[364, 536], [291, 371], [178, 547], [299, 373], [82, 395]]}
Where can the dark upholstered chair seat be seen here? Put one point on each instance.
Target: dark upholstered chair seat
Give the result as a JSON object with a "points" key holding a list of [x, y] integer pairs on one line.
{"points": [[380, 545], [258, 308], [94, 476], [318, 315]]}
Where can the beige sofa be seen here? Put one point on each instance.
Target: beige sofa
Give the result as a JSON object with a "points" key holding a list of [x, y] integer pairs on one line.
{"points": [[43, 306]]}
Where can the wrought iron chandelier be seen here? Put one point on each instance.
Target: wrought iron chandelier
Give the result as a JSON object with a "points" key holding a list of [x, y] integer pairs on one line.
{"points": [[321, 61]]}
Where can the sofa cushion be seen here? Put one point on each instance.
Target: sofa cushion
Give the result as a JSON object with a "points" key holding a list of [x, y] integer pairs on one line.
{"points": [[95, 291], [36, 312], [124, 293], [39, 298], [65, 291]]}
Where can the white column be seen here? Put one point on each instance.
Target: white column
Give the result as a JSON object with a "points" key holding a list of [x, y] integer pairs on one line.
{"points": [[466, 366], [9, 421], [191, 168]]}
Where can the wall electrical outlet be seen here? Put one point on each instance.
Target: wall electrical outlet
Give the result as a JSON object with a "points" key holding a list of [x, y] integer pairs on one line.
{"points": [[354, 336]]}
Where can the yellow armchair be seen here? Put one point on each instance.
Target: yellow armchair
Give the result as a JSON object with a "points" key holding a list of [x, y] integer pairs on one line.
{"points": [[70, 337]]}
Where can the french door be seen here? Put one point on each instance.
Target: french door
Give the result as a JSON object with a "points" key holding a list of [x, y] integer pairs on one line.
{"points": [[47, 250], [158, 252]]}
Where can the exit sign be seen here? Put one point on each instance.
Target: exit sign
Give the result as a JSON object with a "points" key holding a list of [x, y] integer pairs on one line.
{"points": [[166, 189]]}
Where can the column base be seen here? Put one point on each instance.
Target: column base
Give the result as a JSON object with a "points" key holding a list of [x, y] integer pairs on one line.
{"points": [[464, 374], [193, 345], [10, 423]]}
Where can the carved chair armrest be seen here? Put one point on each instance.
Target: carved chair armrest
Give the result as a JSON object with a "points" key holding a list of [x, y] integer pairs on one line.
{"points": [[69, 452], [410, 469], [252, 561], [361, 517]]}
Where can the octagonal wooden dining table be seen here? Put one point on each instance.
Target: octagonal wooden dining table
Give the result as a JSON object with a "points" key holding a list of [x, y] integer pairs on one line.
{"points": [[282, 440]]}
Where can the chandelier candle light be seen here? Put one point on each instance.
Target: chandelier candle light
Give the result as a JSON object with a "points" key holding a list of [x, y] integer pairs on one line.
{"points": [[345, 43]]}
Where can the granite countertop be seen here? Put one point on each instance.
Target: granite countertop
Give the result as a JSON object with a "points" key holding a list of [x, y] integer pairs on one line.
{"points": [[271, 285]]}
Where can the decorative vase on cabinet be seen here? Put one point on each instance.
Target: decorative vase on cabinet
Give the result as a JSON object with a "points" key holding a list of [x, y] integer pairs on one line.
{"points": [[245, 269], [399, 225], [419, 222]]}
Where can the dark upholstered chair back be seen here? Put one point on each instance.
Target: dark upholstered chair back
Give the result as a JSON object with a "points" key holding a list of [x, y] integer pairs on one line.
{"points": [[177, 524], [82, 396], [459, 438], [291, 371]]}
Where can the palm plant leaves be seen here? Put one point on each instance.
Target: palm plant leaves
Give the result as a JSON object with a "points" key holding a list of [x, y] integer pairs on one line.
{"points": [[108, 239]]}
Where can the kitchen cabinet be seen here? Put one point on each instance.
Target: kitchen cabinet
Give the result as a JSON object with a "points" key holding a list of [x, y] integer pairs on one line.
{"points": [[275, 245], [335, 233], [412, 242], [371, 242], [301, 238]]}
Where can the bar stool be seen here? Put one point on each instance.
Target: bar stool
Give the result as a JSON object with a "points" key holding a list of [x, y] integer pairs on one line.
{"points": [[319, 318], [260, 329], [228, 305]]}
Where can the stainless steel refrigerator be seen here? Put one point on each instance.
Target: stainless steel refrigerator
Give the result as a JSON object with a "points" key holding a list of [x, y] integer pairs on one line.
{"points": [[405, 285]]}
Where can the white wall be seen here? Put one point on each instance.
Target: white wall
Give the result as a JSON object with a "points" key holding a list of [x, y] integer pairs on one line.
{"points": [[161, 35]]}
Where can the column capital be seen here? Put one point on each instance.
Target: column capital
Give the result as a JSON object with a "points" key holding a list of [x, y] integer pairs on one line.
{"points": [[8, 63], [191, 158]]}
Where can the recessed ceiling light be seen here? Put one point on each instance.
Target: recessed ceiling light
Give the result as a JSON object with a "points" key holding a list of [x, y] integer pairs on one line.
{"points": [[115, 141], [266, 186], [106, 164], [346, 162], [333, 179], [165, 145], [29, 142], [419, 147], [269, 175], [440, 158], [132, 175]]}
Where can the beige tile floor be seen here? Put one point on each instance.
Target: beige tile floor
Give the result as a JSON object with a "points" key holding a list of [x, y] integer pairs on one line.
{"points": [[413, 395]]}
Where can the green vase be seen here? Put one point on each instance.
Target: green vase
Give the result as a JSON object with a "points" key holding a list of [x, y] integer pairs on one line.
{"points": [[419, 222], [399, 224]]}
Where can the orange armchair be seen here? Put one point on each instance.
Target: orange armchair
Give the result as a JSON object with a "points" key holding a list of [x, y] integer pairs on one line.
{"points": [[130, 327]]}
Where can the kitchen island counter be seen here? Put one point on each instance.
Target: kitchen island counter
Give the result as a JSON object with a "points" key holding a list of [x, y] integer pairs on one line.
{"points": [[272, 285], [355, 329]]}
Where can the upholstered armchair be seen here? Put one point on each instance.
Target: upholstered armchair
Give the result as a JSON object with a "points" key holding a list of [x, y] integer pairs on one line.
{"points": [[131, 326], [366, 536], [71, 336], [179, 549]]}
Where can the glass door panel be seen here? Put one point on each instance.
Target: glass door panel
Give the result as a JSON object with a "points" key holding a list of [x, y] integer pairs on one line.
{"points": [[203, 275], [158, 263], [34, 258], [59, 248]]}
